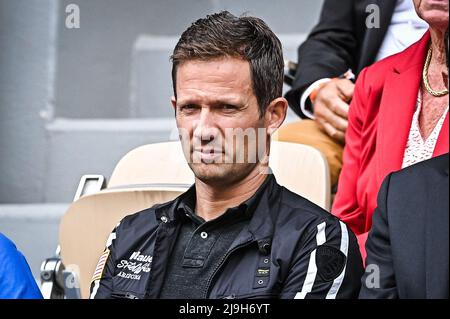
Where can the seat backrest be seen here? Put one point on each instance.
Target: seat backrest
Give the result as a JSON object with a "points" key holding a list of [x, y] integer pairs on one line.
{"points": [[157, 173], [159, 163], [303, 170], [86, 225], [300, 168]]}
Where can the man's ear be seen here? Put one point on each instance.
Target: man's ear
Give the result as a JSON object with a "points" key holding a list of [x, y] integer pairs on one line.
{"points": [[174, 104], [275, 114]]}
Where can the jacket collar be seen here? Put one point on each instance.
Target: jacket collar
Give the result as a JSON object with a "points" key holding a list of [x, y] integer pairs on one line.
{"points": [[261, 206], [414, 56], [397, 106], [266, 208]]}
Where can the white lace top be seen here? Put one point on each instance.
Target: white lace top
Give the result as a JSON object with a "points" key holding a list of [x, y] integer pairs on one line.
{"points": [[417, 149]]}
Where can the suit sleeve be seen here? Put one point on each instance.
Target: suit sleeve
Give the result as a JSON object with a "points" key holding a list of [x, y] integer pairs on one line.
{"points": [[346, 205], [378, 281], [329, 50], [328, 264], [101, 285]]}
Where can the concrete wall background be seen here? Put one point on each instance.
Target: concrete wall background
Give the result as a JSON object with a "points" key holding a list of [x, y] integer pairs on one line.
{"points": [[27, 61], [55, 80], [74, 101]]}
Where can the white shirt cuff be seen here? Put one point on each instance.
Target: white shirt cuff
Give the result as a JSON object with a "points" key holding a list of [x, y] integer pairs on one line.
{"points": [[306, 94]]}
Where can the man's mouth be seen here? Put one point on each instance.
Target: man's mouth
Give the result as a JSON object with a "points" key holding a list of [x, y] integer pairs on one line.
{"points": [[207, 153]]}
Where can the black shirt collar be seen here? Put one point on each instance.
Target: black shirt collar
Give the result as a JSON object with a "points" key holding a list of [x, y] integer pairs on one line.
{"points": [[245, 210]]}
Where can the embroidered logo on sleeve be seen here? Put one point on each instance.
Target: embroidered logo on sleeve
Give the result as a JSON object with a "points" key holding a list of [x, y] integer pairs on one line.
{"points": [[330, 262], [101, 265]]}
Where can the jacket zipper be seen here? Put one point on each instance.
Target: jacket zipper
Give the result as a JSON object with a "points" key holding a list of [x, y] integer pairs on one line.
{"points": [[124, 295], [222, 261], [164, 228]]}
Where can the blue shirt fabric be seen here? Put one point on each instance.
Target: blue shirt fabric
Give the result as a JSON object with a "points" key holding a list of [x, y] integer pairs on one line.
{"points": [[16, 279]]}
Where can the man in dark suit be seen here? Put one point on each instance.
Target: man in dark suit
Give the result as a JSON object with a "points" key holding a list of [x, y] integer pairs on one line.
{"points": [[338, 42], [350, 35], [408, 246]]}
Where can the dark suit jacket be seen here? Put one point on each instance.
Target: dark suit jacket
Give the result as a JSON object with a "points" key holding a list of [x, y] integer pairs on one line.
{"points": [[409, 239], [338, 42]]}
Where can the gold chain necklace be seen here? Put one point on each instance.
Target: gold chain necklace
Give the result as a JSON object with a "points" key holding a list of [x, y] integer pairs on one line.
{"points": [[425, 78]]}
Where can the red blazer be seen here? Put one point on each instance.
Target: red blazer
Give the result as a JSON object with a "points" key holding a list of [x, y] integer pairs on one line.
{"points": [[380, 117]]}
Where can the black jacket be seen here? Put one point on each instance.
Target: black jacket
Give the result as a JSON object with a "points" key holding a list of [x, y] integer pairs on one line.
{"points": [[408, 244], [291, 245], [338, 42]]}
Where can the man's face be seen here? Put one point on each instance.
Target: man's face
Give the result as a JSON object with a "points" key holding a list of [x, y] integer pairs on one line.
{"points": [[215, 100], [434, 12]]}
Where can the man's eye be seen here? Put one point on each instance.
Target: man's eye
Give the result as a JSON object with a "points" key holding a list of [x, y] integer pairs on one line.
{"points": [[188, 107], [229, 107]]}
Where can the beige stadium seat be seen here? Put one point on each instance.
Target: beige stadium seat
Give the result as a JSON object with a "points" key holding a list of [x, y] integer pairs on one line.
{"points": [[157, 164], [303, 170], [157, 173], [300, 168]]}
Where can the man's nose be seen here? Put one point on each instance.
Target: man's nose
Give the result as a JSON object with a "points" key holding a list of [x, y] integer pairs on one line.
{"points": [[205, 129]]}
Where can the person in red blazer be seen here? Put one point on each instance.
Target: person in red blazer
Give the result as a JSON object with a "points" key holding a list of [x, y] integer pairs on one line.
{"points": [[380, 120]]}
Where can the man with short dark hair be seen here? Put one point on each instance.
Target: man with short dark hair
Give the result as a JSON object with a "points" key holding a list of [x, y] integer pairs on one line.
{"points": [[235, 233]]}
